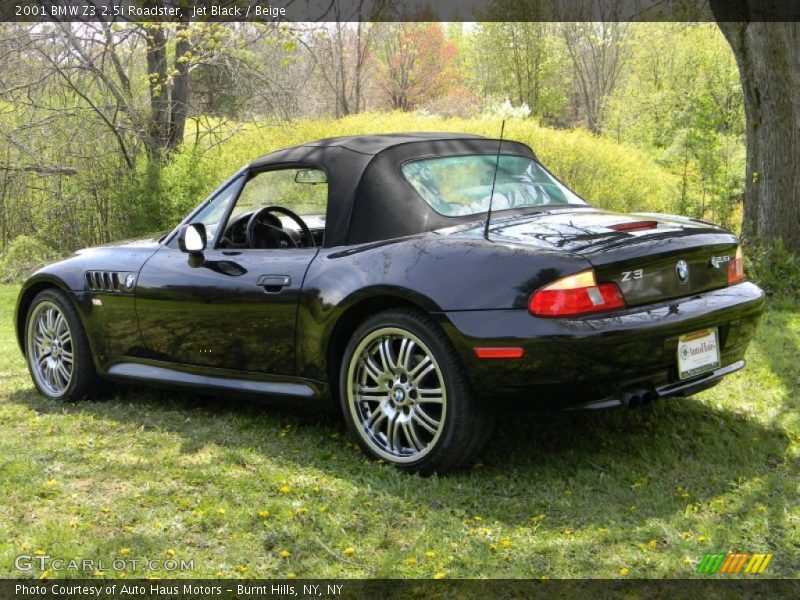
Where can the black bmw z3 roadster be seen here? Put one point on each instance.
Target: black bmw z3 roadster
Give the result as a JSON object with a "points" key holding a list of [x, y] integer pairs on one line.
{"points": [[423, 282]]}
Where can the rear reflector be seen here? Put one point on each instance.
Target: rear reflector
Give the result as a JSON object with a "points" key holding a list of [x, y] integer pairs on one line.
{"points": [[635, 226], [499, 352], [577, 294], [736, 268]]}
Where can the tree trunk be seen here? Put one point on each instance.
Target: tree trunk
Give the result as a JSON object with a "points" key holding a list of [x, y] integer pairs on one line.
{"points": [[180, 89], [158, 134], [768, 57]]}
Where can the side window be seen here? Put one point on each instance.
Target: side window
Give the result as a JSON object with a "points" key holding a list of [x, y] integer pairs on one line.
{"points": [[303, 191], [211, 214]]}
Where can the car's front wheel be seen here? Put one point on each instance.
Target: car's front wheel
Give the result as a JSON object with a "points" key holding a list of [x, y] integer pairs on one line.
{"points": [[406, 398], [59, 358]]}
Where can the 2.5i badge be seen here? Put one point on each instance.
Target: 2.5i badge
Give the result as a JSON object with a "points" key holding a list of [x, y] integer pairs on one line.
{"points": [[698, 352]]}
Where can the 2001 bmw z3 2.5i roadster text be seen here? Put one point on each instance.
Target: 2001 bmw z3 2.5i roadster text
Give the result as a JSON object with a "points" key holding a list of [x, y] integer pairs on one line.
{"points": [[401, 294]]}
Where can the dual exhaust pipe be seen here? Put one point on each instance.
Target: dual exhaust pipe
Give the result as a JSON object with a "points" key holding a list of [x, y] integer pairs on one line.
{"points": [[637, 397]]}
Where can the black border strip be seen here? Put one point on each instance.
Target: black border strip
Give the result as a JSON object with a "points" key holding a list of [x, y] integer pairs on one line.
{"points": [[271, 11]]}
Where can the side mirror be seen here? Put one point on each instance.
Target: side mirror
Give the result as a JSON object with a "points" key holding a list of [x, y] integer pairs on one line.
{"points": [[192, 238]]}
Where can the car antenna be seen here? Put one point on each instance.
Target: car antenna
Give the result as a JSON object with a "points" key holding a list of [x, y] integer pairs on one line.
{"points": [[494, 180]]}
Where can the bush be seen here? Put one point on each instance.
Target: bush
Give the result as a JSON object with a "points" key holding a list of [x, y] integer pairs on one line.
{"points": [[24, 255], [775, 269], [609, 175]]}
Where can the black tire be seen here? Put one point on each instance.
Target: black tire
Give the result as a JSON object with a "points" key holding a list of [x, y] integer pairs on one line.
{"points": [[464, 425], [83, 380]]}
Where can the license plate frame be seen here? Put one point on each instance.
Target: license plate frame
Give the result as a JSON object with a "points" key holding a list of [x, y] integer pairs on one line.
{"points": [[698, 353]]}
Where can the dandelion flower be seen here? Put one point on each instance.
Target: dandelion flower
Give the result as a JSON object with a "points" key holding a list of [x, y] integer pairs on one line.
{"points": [[439, 575], [170, 552], [263, 514], [222, 511], [430, 554], [411, 561], [506, 543], [762, 508], [285, 554], [240, 568], [39, 553], [285, 489], [624, 571], [124, 551], [349, 551], [652, 543], [291, 575]]}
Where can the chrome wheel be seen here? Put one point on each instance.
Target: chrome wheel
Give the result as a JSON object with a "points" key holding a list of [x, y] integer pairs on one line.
{"points": [[50, 349], [396, 395]]}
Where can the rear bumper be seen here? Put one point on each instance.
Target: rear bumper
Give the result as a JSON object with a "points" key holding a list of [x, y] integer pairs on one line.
{"points": [[569, 363]]}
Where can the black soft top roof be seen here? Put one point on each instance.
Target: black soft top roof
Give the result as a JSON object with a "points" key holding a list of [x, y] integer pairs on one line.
{"points": [[368, 197]]}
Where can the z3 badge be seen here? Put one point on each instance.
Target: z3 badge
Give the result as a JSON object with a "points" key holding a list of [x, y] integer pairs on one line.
{"points": [[631, 275]]}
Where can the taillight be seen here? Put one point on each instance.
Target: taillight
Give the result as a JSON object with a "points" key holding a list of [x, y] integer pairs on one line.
{"points": [[736, 267], [577, 294]]}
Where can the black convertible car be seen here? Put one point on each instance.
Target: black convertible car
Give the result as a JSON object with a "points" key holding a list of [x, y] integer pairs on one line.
{"points": [[402, 295]]}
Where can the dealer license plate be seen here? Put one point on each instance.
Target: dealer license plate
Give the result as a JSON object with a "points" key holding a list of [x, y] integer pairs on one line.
{"points": [[698, 352]]}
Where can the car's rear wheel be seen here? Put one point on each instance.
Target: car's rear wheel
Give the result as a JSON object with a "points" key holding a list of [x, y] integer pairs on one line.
{"points": [[405, 395], [59, 358]]}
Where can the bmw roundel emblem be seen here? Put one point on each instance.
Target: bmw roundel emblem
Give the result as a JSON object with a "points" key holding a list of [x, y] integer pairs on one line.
{"points": [[130, 281], [682, 270]]}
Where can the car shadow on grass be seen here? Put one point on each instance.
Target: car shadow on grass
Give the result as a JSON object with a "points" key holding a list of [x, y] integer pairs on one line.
{"points": [[555, 472]]}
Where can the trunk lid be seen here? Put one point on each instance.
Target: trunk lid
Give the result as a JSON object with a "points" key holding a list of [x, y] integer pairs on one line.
{"points": [[652, 257]]}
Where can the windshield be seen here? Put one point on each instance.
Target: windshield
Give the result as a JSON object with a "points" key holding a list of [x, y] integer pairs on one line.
{"points": [[456, 186]]}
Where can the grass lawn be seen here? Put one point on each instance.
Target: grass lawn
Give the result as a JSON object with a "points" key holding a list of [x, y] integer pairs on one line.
{"points": [[245, 490]]}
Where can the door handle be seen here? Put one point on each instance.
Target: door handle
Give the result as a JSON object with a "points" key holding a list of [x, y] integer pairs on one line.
{"points": [[273, 284]]}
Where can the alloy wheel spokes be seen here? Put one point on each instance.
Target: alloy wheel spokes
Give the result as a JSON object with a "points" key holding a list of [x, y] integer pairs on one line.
{"points": [[397, 394], [50, 349]]}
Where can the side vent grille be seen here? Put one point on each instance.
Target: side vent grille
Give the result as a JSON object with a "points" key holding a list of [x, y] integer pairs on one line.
{"points": [[105, 281]]}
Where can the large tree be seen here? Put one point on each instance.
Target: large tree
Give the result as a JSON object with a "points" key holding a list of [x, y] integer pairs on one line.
{"points": [[768, 57], [416, 63]]}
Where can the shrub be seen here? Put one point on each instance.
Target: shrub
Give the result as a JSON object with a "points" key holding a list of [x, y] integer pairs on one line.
{"points": [[24, 255], [775, 269], [609, 175], [505, 110]]}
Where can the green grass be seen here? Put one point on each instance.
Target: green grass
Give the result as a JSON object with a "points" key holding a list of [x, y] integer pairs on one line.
{"points": [[233, 485]]}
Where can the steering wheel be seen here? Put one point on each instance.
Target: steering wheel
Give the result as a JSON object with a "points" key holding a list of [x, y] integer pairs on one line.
{"points": [[266, 235]]}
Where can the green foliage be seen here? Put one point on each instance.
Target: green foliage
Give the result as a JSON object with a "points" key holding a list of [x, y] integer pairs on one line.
{"points": [[680, 100], [776, 270], [526, 62], [24, 255]]}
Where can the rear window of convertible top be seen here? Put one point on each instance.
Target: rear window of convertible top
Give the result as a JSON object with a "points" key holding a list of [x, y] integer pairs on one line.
{"points": [[456, 186]]}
